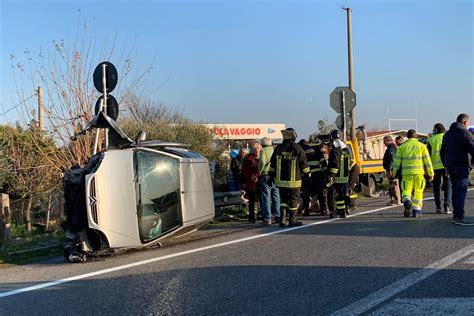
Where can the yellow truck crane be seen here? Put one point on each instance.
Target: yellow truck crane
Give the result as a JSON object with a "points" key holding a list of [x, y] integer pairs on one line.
{"points": [[371, 170]]}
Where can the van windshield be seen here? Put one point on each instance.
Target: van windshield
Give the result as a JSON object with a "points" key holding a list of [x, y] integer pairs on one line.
{"points": [[158, 183]]}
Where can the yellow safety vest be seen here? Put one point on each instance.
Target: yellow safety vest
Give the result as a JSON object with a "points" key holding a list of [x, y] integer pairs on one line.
{"points": [[435, 142], [413, 158]]}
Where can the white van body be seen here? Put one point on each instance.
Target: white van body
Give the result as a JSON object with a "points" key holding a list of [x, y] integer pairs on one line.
{"points": [[134, 197]]}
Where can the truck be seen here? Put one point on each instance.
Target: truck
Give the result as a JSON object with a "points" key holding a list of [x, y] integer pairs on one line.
{"points": [[371, 170]]}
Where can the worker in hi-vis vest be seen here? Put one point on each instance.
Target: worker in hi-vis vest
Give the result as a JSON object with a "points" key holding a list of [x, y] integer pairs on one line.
{"points": [[414, 161], [440, 173]]}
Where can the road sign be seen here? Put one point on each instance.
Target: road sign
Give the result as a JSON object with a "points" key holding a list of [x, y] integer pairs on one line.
{"points": [[111, 77], [335, 99], [340, 122], [112, 106]]}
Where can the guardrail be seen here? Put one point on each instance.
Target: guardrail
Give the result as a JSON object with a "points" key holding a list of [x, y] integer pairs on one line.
{"points": [[225, 199]]}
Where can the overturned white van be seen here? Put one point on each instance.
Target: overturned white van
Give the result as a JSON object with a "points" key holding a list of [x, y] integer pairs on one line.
{"points": [[133, 195]]}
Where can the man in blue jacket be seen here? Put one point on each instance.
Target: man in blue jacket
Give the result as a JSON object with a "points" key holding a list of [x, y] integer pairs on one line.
{"points": [[458, 143]]}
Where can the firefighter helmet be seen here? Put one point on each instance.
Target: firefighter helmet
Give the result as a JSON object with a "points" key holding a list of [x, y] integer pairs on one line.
{"points": [[289, 133]]}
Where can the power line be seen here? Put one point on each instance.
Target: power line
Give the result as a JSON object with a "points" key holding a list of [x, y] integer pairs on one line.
{"points": [[12, 108]]}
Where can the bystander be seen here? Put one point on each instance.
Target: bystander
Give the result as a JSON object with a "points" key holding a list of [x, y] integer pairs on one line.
{"points": [[458, 143]]}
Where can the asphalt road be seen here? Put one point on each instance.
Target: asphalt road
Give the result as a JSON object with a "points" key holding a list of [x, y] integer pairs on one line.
{"points": [[376, 262]]}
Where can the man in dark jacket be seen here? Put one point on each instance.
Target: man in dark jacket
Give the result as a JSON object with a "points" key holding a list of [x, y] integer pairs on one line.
{"points": [[388, 161], [458, 143], [236, 169]]}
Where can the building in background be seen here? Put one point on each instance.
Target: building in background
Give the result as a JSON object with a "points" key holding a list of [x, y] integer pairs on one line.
{"points": [[374, 141]]}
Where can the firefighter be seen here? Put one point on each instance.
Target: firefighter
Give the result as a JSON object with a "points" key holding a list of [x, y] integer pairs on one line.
{"points": [[353, 180], [352, 183], [413, 158], [338, 175], [307, 190], [288, 167], [318, 166]]}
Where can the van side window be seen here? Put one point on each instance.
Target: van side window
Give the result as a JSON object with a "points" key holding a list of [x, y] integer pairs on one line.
{"points": [[159, 204]]}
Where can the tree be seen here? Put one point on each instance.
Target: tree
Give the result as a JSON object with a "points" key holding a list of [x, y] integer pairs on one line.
{"points": [[65, 74], [162, 123], [27, 167], [323, 127]]}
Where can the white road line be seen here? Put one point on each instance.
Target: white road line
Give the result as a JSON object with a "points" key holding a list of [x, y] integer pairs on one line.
{"points": [[396, 287], [183, 253], [469, 260], [428, 306]]}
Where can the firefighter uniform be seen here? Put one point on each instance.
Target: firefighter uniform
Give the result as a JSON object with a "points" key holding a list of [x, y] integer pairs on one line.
{"points": [[318, 167], [413, 159], [338, 167], [288, 166], [306, 188]]}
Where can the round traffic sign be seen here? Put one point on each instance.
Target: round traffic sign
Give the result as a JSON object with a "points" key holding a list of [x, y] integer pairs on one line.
{"points": [[111, 77], [340, 122], [112, 106]]}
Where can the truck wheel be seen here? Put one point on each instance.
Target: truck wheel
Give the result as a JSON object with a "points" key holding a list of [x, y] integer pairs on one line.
{"points": [[368, 186], [372, 185]]}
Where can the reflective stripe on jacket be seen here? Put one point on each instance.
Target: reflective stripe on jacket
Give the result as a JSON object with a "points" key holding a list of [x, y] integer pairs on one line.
{"points": [[413, 158], [288, 165], [315, 157], [342, 176]]}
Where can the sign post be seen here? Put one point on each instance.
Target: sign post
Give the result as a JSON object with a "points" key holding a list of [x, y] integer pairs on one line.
{"points": [[105, 80], [343, 101]]}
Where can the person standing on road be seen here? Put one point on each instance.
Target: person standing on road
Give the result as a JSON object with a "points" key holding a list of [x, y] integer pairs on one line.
{"points": [[307, 189], [250, 174], [388, 162], [434, 147], [270, 195], [288, 167], [414, 160], [339, 164], [457, 144], [236, 168], [318, 177]]}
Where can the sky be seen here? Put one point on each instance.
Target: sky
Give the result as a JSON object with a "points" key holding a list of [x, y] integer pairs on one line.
{"points": [[268, 61]]}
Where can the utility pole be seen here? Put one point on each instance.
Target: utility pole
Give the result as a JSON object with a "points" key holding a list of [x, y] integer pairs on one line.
{"points": [[350, 69], [40, 108]]}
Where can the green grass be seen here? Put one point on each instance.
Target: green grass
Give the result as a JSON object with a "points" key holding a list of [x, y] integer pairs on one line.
{"points": [[21, 250]]}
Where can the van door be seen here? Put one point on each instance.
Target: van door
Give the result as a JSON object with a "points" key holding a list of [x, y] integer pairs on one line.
{"points": [[159, 209]]}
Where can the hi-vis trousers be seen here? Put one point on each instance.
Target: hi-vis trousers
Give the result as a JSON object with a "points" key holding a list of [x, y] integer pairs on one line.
{"points": [[413, 183]]}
